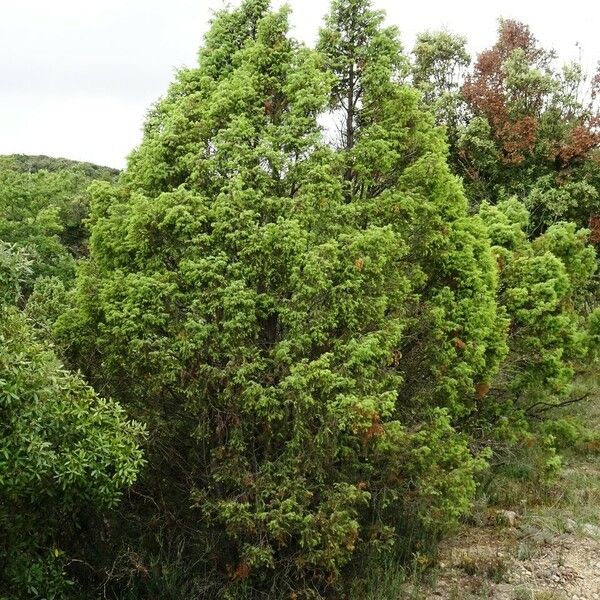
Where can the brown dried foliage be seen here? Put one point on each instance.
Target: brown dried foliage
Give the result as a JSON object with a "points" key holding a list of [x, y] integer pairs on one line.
{"points": [[594, 226], [581, 140], [485, 91], [375, 430], [482, 389], [518, 139]]}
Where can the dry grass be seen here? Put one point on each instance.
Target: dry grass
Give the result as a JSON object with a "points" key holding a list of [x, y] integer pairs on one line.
{"points": [[547, 552]]}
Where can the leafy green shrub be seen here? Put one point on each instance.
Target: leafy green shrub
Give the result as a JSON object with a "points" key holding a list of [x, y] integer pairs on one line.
{"points": [[62, 450], [544, 287], [48, 300], [571, 433]]}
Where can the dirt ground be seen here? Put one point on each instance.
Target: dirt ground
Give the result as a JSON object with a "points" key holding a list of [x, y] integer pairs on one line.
{"points": [[548, 550], [520, 563]]}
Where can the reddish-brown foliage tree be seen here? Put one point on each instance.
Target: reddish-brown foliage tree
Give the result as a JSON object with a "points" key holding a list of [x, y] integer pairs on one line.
{"points": [[487, 94]]}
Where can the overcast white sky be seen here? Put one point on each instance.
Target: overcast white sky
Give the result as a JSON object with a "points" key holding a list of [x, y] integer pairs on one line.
{"points": [[77, 76]]}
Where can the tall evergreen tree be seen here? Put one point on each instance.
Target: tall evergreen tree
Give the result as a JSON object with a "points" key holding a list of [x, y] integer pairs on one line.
{"points": [[440, 62], [400, 179], [299, 325]]}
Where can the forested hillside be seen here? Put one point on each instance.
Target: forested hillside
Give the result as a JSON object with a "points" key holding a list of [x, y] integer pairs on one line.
{"points": [[341, 301], [44, 203], [24, 163]]}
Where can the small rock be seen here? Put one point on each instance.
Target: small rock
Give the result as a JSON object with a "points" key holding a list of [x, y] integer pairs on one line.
{"points": [[592, 530], [570, 525], [507, 516]]}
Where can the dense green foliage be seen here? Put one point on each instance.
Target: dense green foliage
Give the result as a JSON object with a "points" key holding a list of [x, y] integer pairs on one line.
{"points": [[525, 139], [329, 338], [286, 317], [43, 204], [545, 288], [63, 451], [25, 163]]}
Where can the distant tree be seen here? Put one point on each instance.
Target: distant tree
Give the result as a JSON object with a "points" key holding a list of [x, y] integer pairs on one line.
{"points": [[534, 132], [25, 163], [440, 63]]}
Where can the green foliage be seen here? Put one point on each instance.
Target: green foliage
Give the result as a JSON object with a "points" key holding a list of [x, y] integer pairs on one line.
{"points": [[544, 288], [364, 57], [24, 163], [523, 471], [328, 341], [14, 269], [299, 326], [43, 204], [572, 433], [62, 450], [45, 305], [573, 200], [440, 60]]}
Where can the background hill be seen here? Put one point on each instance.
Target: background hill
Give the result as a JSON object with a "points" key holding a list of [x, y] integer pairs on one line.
{"points": [[26, 163], [44, 202]]}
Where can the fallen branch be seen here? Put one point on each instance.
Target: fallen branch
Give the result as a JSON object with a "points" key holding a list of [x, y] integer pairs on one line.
{"points": [[545, 406]]}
